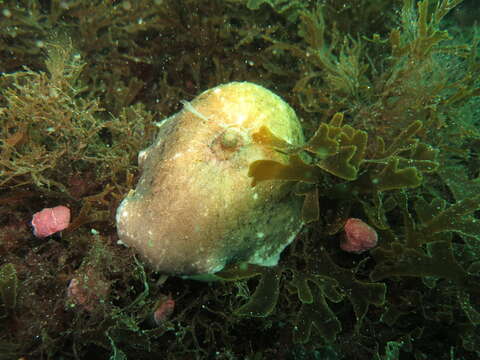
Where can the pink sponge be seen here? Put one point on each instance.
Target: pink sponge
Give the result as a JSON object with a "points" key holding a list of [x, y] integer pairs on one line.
{"points": [[359, 236], [50, 220]]}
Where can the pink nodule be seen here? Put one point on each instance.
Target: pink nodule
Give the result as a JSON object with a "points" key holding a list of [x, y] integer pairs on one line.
{"points": [[359, 236], [164, 310], [50, 220]]}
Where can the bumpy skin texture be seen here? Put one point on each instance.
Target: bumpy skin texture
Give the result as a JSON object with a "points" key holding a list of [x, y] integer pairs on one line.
{"points": [[194, 210]]}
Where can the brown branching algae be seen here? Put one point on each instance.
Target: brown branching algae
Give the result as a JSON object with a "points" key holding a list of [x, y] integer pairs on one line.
{"points": [[386, 93]]}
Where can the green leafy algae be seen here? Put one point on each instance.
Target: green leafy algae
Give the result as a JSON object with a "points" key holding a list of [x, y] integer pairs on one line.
{"points": [[264, 299]]}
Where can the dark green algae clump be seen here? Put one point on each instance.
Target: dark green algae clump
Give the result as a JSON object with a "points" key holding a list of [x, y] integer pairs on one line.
{"points": [[388, 94]]}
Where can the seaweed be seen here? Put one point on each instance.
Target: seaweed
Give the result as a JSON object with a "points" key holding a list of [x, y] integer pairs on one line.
{"points": [[315, 314], [264, 299], [59, 140], [387, 92], [389, 162], [340, 149], [331, 282], [437, 218], [8, 288], [290, 9]]}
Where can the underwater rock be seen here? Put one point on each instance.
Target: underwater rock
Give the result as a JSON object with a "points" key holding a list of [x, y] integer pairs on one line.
{"points": [[194, 210]]}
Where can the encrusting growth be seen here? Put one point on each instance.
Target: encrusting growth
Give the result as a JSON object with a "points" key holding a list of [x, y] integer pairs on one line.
{"points": [[194, 209]]}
